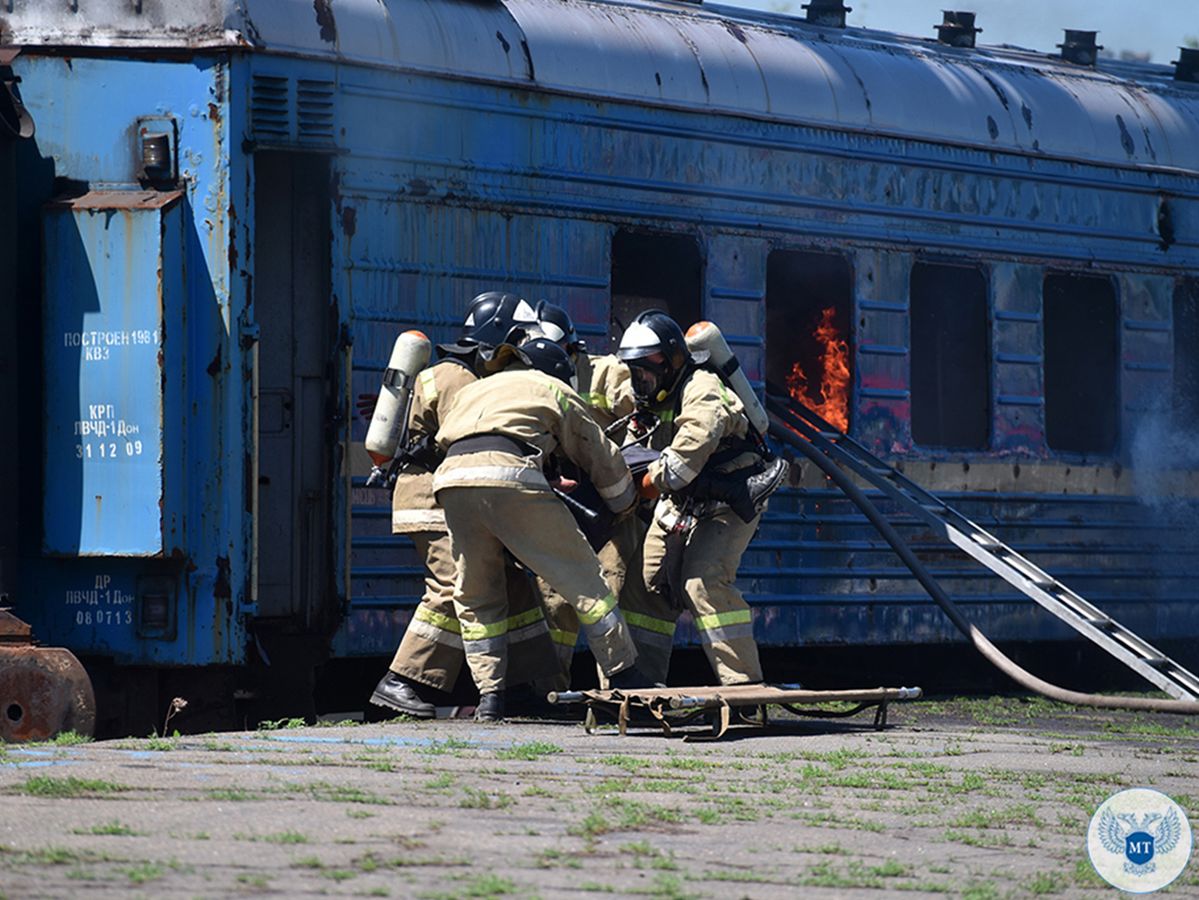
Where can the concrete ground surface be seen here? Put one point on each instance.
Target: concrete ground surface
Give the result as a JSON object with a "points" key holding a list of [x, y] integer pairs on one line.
{"points": [[969, 797]]}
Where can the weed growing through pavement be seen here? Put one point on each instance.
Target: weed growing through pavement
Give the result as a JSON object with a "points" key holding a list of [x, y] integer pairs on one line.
{"points": [[49, 786], [476, 799], [144, 871], [162, 744], [452, 746], [551, 858], [108, 828], [533, 750], [233, 795], [281, 724], [339, 793]]}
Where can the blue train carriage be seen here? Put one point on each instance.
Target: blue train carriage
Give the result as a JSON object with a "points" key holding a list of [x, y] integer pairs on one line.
{"points": [[982, 261]]}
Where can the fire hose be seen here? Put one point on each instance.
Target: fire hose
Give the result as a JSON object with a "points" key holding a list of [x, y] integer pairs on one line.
{"points": [[780, 431]]}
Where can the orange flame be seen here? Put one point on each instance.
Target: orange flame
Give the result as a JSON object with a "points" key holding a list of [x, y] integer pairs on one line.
{"points": [[831, 403]]}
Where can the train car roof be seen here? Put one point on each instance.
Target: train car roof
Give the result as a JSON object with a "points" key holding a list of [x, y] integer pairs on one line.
{"points": [[687, 55]]}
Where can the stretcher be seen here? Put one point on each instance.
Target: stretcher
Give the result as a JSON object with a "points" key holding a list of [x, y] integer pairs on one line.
{"points": [[727, 705]]}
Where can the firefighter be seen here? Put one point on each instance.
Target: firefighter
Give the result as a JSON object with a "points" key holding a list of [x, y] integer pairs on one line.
{"points": [[605, 385], [693, 549], [430, 654], [498, 438]]}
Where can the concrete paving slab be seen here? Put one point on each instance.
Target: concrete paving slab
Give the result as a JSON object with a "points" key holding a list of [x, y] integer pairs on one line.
{"points": [[980, 798]]}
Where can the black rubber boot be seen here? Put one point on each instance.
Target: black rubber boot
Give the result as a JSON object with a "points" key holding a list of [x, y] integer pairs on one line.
{"points": [[629, 679], [400, 694], [491, 707]]}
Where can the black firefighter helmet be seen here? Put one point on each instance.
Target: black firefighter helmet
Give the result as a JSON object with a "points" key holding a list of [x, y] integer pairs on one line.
{"points": [[547, 356], [655, 350]]}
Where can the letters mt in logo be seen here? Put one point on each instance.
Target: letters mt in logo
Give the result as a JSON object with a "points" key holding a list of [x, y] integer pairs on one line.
{"points": [[1139, 840], [1120, 833]]}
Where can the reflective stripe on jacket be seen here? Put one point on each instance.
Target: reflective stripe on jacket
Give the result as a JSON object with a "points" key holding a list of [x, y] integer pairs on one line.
{"points": [[606, 386]]}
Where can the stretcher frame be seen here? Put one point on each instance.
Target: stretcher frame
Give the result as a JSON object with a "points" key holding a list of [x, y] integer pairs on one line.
{"points": [[724, 705]]}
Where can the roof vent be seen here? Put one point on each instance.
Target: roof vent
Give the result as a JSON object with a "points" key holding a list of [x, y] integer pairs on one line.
{"points": [[958, 29], [1186, 68], [827, 12], [1080, 47]]}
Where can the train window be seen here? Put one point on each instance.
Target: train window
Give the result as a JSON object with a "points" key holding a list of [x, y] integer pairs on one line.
{"points": [[1081, 359], [1186, 350], [951, 357], [809, 304], [655, 271]]}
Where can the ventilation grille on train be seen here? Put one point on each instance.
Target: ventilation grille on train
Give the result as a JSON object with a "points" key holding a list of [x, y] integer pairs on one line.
{"points": [[283, 113], [314, 102]]}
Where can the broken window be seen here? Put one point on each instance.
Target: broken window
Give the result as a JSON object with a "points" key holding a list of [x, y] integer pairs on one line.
{"points": [[1081, 363], [655, 271], [1186, 350], [950, 357], [809, 301]]}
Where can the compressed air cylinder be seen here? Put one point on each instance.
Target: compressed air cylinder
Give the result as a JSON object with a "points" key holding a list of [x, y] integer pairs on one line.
{"points": [[409, 355], [705, 336]]}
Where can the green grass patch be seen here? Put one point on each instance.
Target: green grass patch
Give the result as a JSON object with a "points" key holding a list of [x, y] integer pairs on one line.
{"points": [[49, 786], [114, 828], [1020, 814], [1046, 883], [144, 872], [286, 837], [476, 799], [343, 793], [67, 739], [162, 744], [621, 761], [449, 745], [533, 750], [233, 795], [281, 724]]}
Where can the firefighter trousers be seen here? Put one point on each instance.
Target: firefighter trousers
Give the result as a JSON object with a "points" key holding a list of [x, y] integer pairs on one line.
{"points": [[539, 531], [699, 568], [431, 650], [650, 615]]}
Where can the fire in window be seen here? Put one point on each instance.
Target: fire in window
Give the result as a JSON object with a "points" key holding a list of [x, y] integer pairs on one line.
{"points": [[950, 357], [809, 301], [1081, 363]]}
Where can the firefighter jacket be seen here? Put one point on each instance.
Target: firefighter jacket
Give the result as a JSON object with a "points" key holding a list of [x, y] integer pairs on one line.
{"points": [[606, 385], [706, 424], [541, 414], [413, 507]]}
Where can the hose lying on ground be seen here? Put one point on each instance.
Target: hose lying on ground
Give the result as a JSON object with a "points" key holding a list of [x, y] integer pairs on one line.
{"points": [[781, 431]]}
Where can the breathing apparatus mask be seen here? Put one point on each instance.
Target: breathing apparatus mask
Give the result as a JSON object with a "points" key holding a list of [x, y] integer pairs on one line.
{"points": [[655, 351]]}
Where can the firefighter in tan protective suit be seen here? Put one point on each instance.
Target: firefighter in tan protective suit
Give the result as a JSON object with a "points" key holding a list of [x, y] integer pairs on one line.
{"points": [[430, 655], [691, 554], [605, 385], [497, 438]]}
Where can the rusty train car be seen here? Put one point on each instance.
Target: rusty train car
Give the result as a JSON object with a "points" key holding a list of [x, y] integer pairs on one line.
{"points": [[982, 262]]}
